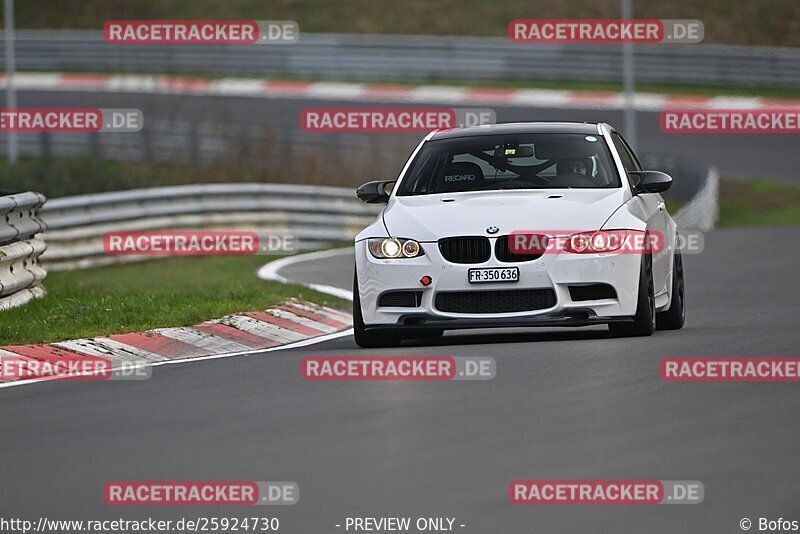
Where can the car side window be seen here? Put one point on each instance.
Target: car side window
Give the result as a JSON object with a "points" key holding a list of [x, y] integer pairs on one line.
{"points": [[629, 160]]}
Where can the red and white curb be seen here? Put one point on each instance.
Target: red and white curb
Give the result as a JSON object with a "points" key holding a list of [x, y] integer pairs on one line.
{"points": [[294, 323], [258, 87]]}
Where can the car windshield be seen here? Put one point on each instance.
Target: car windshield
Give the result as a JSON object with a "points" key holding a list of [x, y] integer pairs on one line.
{"points": [[521, 161]]}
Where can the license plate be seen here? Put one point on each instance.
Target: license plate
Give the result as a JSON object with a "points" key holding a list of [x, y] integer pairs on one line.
{"points": [[493, 274]]}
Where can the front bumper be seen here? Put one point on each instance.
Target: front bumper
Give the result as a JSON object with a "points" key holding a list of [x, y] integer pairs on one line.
{"points": [[555, 271], [423, 322]]}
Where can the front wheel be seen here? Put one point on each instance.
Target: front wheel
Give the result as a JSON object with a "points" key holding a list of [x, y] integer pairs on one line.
{"points": [[364, 338], [675, 316], [644, 322]]}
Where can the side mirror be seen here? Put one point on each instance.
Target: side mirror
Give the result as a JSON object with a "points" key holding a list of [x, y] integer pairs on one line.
{"points": [[651, 182], [375, 192]]}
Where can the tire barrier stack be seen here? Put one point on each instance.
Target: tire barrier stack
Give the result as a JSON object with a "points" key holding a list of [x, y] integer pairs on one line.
{"points": [[21, 275]]}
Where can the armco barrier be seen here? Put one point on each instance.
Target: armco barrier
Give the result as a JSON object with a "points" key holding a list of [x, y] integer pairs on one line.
{"points": [[415, 58], [695, 186], [21, 275], [702, 210], [314, 216]]}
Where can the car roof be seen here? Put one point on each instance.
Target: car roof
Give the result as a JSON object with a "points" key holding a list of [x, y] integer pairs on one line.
{"points": [[517, 128]]}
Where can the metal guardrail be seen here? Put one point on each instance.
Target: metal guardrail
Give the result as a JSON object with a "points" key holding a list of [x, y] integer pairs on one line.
{"points": [[314, 216], [21, 275], [416, 58], [702, 211], [695, 185]]}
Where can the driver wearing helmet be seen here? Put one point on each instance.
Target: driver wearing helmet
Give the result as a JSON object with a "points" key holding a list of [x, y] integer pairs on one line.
{"points": [[573, 166]]}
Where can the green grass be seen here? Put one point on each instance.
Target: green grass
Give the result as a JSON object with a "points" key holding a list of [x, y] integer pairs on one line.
{"points": [[758, 203], [765, 22], [64, 177], [137, 297]]}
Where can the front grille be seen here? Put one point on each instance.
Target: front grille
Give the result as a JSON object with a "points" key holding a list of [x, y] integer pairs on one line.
{"points": [[503, 252], [400, 299], [465, 249], [592, 292], [504, 301]]}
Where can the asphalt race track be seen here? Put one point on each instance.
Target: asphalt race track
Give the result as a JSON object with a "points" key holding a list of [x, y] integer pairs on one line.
{"points": [[566, 404], [769, 156]]}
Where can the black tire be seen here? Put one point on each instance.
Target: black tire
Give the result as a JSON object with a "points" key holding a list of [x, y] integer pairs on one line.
{"points": [[675, 316], [644, 322], [365, 339]]}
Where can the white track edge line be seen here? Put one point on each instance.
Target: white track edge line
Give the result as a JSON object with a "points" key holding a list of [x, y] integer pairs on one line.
{"points": [[294, 345], [268, 271]]}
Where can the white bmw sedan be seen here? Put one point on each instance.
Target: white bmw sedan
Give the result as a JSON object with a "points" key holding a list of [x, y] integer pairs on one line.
{"points": [[525, 224]]}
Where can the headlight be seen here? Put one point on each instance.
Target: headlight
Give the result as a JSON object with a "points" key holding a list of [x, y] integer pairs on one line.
{"points": [[594, 242], [411, 249], [392, 247]]}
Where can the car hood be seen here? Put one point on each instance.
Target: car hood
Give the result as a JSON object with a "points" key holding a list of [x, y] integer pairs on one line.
{"points": [[432, 217]]}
